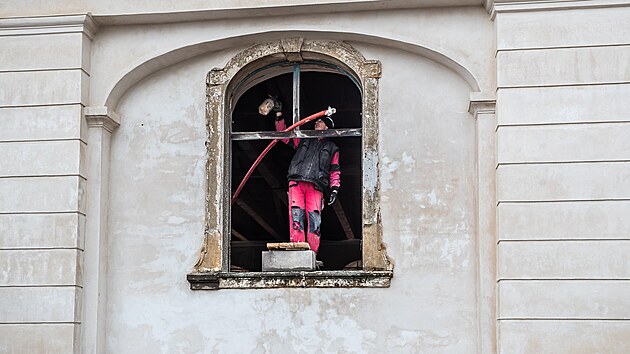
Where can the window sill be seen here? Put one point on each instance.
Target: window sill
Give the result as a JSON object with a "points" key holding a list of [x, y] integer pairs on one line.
{"points": [[273, 280]]}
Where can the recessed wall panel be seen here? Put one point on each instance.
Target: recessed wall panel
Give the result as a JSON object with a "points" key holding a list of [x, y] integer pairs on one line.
{"points": [[41, 52], [563, 66], [38, 304], [564, 143], [43, 267], [580, 259], [564, 220], [564, 299], [604, 26], [563, 181], [43, 88], [41, 194], [57, 230], [568, 336], [568, 104], [40, 123], [37, 338], [42, 158]]}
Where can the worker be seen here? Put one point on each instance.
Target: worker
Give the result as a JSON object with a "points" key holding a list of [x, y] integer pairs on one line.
{"points": [[313, 172]]}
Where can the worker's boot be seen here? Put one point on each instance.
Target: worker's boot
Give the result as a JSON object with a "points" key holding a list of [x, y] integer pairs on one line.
{"points": [[319, 265]]}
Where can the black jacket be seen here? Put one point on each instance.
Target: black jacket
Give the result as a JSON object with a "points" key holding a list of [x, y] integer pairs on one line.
{"points": [[311, 162]]}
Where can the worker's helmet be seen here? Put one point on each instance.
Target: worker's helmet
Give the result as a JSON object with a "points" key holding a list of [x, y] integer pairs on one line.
{"points": [[330, 123]]}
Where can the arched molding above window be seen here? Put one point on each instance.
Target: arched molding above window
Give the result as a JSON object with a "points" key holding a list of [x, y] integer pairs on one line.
{"points": [[211, 269], [294, 50], [109, 93]]}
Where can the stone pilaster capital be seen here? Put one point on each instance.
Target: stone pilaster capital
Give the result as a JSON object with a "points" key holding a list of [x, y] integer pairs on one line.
{"points": [[102, 117], [482, 102]]}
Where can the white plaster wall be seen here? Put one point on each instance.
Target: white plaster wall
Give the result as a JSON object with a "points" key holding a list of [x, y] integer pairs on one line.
{"points": [[156, 228]]}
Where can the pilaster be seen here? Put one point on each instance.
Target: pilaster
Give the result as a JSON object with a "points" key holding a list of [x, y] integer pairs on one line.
{"points": [[101, 123], [482, 107]]}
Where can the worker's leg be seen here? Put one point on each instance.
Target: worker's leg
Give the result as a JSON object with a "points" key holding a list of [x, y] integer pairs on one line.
{"points": [[297, 212], [314, 206]]}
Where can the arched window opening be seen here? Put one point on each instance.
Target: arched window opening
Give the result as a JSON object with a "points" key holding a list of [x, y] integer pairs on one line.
{"points": [[260, 214], [307, 75]]}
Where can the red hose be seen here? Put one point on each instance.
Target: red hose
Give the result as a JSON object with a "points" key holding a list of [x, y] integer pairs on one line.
{"points": [[271, 144]]}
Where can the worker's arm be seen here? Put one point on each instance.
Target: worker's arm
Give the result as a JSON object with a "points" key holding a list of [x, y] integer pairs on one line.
{"points": [[281, 126], [335, 178]]}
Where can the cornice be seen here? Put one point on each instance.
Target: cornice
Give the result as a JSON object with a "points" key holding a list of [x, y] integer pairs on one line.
{"points": [[495, 7], [22, 26], [102, 117]]}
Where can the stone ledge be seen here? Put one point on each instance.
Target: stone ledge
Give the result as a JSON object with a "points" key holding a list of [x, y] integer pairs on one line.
{"points": [[298, 279]]}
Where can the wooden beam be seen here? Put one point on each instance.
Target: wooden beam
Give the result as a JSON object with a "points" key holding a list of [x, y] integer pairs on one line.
{"points": [[343, 220], [266, 168], [328, 133], [259, 219], [238, 235]]}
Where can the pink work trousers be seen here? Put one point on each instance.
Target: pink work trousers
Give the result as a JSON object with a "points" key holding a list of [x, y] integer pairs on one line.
{"points": [[305, 206]]}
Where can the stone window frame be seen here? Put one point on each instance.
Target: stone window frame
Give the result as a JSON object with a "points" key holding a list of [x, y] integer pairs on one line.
{"points": [[212, 268]]}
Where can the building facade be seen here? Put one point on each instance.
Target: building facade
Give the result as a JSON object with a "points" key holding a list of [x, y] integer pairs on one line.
{"points": [[485, 176]]}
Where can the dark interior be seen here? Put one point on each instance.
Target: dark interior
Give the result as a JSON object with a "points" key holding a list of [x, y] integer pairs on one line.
{"points": [[260, 213]]}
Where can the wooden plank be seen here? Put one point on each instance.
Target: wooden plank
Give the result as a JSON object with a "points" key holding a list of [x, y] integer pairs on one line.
{"points": [[297, 246], [259, 219], [238, 235], [329, 133], [265, 167], [343, 220]]}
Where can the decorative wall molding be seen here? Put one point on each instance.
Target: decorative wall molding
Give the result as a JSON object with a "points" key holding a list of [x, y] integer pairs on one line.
{"points": [[506, 6], [482, 102], [102, 117], [24, 26]]}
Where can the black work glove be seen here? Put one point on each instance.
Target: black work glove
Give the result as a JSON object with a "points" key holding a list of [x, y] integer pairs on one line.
{"points": [[277, 104], [333, 196]]}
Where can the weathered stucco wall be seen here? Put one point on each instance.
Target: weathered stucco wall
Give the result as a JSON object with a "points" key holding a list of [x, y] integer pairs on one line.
{"points": [[158, 163]]}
